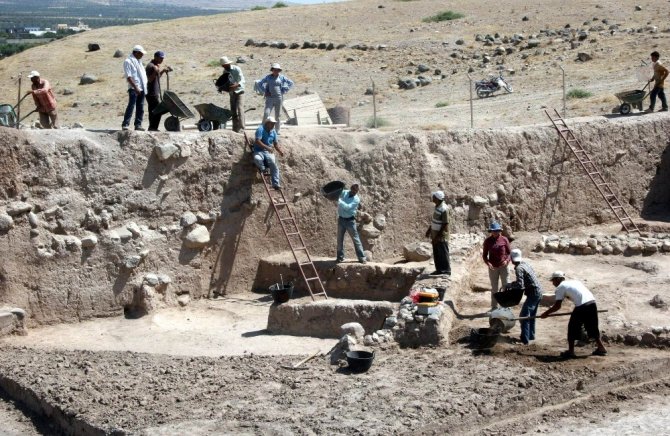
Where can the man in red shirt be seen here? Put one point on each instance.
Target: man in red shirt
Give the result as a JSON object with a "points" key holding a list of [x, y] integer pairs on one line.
{"points": [[496, 257], [44, 100]]}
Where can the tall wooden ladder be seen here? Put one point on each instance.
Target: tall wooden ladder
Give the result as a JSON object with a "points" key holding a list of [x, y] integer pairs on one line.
{"points": [[289, 226], [591, 169]]}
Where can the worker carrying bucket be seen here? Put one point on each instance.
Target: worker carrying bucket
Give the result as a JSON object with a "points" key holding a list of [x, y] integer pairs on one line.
{"points": [[348, 202]]}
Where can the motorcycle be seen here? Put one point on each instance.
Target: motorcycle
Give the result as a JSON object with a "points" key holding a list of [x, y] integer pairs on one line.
{"points": [[486, 88]]}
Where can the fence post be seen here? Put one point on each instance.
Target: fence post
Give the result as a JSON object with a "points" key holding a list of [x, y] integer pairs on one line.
{"points": [[564, 108], [18, 105], [374, 104], [472, 117]]}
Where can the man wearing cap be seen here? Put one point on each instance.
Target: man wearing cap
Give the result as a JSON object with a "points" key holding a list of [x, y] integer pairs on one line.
{"points": [[496, 257], [136, 77], [347, 207], [584, 314], [44, 100], [236, 92], [264, 148], [526, 279], [154, 73], [438, 232], [274, 86]]}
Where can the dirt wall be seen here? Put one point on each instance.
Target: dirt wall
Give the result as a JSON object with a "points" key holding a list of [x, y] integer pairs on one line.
{"points": [[89, 215]]}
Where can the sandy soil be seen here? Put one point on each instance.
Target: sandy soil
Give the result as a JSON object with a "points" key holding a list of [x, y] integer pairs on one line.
{"points": [[13, 421], [341, 77]]}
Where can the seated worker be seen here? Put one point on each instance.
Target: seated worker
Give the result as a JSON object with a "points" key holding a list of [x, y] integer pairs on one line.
{"points": [[264, 149]]}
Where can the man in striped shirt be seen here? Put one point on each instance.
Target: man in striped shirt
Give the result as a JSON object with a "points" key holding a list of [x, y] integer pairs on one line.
{"points": [[526, 279], [44, 100]]}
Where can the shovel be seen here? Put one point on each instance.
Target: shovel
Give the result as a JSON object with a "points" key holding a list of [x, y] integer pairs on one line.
{"points": [[553, 314], [303, 361]]}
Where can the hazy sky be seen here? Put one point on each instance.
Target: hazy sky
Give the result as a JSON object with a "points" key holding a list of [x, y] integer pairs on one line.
{"points": [[315, 1]]}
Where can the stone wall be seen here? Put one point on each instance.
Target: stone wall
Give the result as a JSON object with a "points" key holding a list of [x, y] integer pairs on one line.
{"points": [[85, 216]]}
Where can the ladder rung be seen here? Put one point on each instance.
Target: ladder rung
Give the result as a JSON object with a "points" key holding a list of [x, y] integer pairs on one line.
{"points": [[312, 278], [293, 234], [320, 293], [287, 219], [306, 263], [593, 174], [299, 248]]}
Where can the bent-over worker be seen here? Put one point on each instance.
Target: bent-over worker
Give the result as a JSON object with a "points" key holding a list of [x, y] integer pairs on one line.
{"points": [[44, 100], [526, 279]]}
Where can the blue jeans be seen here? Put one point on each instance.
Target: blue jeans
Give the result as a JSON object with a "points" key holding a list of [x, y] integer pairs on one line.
{"points": [[348, 226], [135, 101], [264, 159], [529, 308], [661, 95]]}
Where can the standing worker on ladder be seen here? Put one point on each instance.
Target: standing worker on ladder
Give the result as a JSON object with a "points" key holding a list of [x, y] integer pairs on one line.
{"points": [[264, 149], [347, 207]]}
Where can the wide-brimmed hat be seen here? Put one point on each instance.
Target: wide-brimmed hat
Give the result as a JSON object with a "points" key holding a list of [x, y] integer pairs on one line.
{"points": [[33, 73], [557, 275], [495, 227], [516, 255], [139, 48], [224, 60], [275, 66]]}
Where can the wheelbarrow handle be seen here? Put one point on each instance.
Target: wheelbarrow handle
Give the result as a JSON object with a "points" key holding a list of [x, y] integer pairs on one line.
{"points": [[523, 318]]}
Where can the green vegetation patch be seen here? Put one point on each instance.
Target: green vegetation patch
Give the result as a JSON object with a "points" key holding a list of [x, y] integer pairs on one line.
{"points": [[258, 8], [579, 93], [279, 5], [444, 16], [441, 104]]}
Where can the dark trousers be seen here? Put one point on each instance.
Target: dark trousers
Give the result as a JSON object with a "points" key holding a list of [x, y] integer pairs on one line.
{"points": [[529, 308], [136, 102], [441, 257], [661, 95], [154, 120]]}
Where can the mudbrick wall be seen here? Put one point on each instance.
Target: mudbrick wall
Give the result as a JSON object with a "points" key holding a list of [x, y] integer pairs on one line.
{"points": [[89, 220]]}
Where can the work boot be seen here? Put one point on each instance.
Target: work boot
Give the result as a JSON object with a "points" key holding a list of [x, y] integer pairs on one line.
{"points": [[125, 127], [139, 128], [665, 109], [650, 110]]}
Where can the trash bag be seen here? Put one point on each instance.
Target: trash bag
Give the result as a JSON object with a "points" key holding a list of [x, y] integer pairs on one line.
{"points": [[223, 82]]}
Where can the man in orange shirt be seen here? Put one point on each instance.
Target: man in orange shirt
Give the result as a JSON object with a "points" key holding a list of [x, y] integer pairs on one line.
{"points": [[44, 100]]}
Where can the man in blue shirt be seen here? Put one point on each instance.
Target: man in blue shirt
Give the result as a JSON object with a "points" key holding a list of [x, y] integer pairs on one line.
{"points": [[264, 149], [274, 86], [347, 206]]}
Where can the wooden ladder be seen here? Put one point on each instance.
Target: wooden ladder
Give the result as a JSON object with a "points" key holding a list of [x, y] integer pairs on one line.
{"points": [[591, 169], [289, 226]]}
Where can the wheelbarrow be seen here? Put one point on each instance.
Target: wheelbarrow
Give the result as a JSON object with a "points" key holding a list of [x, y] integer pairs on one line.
{"points": [[178, 111], [9, 117], [631, 99], [212, 116]]}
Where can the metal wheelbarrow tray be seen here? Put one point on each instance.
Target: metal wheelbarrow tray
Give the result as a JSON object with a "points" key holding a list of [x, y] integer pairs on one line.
{"points": [[177, 109], [212, 116], [631, 100]]}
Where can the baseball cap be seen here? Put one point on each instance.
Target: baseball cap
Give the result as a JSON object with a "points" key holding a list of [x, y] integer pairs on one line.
{"points": [[557, 275], [438, 194], [516, 255], [140, 49], [33, 73], [160, 54], [270, 119]]}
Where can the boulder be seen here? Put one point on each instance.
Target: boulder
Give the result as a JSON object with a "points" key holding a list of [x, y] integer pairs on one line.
{"points": [[369, 231], [380, 221], [93, 46], [354, 329], [87, 79], [165, 151], [198, 237], [534, 42], [417, 251], [188, 219], [118, 53], [89, 241], [6, 223], [584, 57]]}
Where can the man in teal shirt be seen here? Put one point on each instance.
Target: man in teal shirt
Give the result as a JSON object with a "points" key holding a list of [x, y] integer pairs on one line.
{"points": [[347, 206]]}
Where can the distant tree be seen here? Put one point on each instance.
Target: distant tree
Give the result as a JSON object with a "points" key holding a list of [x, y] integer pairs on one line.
{"points": [[258, 8], [279, 5]]}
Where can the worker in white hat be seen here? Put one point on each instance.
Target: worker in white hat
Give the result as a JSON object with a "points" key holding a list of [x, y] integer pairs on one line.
{"points": [[235, 89], [265, 146], [526, 279], [438, 232], [584, 314], [274, 86], [136, 77], [45, 101]]}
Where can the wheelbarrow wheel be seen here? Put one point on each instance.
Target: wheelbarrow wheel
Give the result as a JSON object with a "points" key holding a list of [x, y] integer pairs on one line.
{"points": [[624, 109], [216, 124], [172, 124], [205, 125]]}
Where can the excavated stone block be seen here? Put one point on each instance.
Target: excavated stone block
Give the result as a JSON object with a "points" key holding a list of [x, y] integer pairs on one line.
{"points": [[324, 319]]}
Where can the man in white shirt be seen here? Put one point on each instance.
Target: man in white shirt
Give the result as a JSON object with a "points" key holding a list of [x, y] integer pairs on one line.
{"points": [[136, 77], [584, 314]]}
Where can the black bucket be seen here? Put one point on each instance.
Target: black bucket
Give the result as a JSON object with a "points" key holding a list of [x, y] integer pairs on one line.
{"points": [[509, 297], [281, 293], [332, 190], [484, 338], [360, 361]]}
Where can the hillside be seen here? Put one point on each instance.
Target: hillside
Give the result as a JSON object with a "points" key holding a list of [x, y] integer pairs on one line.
{"points": [[616, 38]]}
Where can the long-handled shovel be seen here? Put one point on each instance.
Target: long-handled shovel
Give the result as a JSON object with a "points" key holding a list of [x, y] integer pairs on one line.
{"points": [[552, 314]]}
